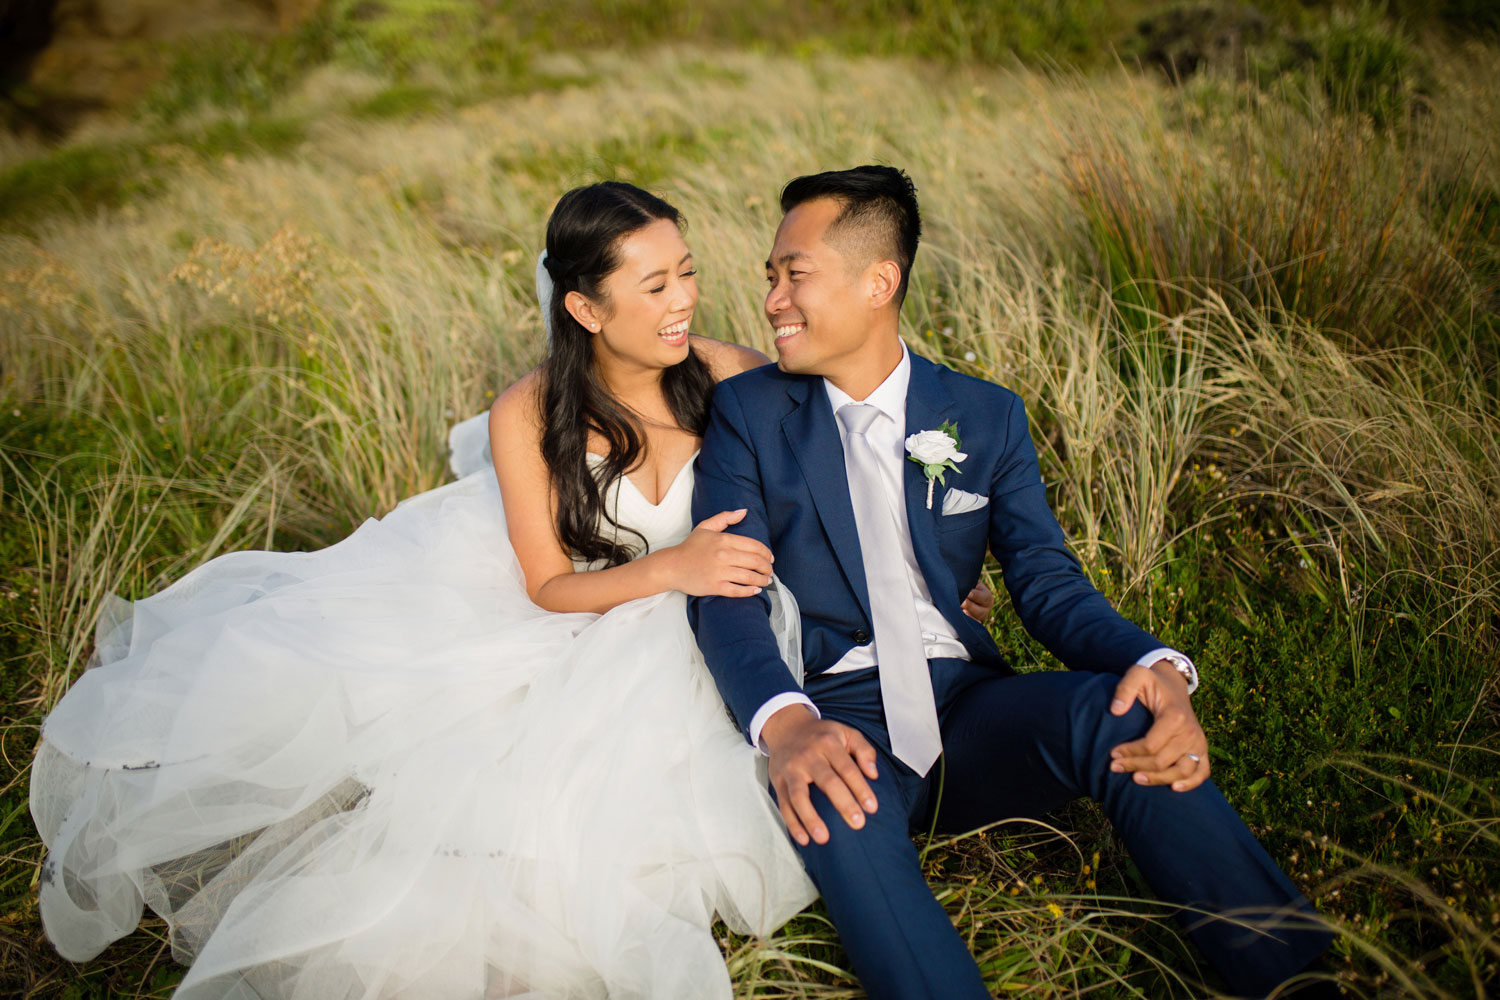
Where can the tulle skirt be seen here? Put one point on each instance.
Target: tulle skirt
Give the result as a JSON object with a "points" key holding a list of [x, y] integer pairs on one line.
{"points": [[378, 770]]}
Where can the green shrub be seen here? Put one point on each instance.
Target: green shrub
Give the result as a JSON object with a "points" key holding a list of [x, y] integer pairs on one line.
{"points": [[79, 178], [455, 37], [1463, 18], [1353, 231], [241, 137], [985, 31], [1367, 65], [235, 72], [403, 100]]}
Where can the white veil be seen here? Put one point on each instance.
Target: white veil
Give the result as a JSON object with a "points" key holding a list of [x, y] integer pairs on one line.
{"points": [[469, 440], [544, 293]]}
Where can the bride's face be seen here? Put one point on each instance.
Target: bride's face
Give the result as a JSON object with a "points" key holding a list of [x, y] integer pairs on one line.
{"points": [[651, 297]]}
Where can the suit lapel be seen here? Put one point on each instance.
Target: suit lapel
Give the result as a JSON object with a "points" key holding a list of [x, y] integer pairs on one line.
{"points": [[813, 438], [928, 404]]}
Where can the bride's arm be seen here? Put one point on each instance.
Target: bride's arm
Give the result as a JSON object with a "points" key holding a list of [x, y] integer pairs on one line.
{"points": [[707, 562]]}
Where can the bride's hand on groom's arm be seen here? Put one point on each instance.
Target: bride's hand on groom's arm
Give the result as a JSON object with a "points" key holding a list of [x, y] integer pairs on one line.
{"points": [[1174, 750], [713, 561], [805, 751]]}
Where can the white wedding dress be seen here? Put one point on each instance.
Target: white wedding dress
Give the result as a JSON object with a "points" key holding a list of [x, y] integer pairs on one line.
{"points": [[379, 771]]}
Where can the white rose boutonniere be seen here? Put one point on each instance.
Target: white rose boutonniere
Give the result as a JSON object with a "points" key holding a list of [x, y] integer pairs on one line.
{"points": [[936, 452]]}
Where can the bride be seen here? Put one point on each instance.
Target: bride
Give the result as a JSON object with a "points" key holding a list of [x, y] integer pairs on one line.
{"points": [[471, 750]]}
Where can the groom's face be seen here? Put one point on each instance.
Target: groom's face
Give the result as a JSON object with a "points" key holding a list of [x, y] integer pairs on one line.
{"points": [[814, 303]]}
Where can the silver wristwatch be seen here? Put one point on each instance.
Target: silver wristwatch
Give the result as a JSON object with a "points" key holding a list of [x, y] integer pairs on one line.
{"points": [[1183, 666]]}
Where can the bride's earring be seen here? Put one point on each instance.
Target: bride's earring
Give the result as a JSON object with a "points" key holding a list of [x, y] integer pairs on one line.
{"points": [[582, 310]]}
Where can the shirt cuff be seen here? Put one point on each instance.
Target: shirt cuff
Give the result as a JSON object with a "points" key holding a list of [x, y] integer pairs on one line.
{"points": [[1184, 665], [770, 708]]}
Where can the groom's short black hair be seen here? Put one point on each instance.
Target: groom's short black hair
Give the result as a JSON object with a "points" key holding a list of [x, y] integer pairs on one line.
{"points": [[879, 219]]}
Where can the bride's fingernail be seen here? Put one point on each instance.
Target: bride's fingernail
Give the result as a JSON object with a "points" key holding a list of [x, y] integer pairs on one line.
{"points": [[758, 589]]}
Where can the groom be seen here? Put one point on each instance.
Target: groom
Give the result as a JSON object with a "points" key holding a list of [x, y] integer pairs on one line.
{"points": [[832, 453]]}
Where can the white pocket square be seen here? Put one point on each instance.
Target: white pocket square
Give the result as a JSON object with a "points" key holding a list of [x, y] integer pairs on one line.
{"points": [[960, 502]]}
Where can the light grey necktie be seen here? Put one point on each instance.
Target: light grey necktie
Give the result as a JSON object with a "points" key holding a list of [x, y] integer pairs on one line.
{"points": [[905, 684]]}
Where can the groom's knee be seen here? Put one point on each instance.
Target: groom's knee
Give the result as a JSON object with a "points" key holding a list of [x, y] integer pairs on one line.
{"points": [[1091, 714], [875, 850], [1095, 730]]}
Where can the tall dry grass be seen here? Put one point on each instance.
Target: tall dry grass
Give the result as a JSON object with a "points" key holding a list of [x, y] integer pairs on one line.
{"points": [[273, 349]]}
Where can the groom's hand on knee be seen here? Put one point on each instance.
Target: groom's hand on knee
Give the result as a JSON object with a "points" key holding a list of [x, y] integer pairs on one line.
{"points": [[805, 751], [1174, 750]]}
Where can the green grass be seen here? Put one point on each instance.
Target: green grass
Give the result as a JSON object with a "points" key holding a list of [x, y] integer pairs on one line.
{"points": [[77, 178], [89, 177], [1254, 325], [402, 100]]}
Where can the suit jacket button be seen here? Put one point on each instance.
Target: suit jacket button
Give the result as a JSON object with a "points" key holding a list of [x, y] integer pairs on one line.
{"points": [[861, 637]]}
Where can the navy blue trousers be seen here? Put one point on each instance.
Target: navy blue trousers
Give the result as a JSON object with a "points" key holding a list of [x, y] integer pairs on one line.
{"points": [[1020, 746]]}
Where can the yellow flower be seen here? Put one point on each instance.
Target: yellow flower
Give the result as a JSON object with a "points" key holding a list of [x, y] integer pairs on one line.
{"points": [[1054, 909]]}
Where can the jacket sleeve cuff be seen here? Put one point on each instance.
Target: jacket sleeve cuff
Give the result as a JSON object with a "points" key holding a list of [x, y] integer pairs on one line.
{"points": [[770, 708]]}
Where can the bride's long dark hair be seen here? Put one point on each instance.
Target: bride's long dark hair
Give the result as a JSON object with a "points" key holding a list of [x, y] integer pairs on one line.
{"points": [[583, 248]]}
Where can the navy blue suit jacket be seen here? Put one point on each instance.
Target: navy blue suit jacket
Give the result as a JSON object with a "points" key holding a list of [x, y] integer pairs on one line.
{"points": [[772, 446]]}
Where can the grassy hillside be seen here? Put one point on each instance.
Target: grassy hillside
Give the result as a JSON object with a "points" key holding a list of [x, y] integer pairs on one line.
{"points": [[1253, 314]]}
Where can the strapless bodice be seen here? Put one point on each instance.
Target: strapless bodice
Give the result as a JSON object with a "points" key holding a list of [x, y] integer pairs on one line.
{"points": [[662, 525]]}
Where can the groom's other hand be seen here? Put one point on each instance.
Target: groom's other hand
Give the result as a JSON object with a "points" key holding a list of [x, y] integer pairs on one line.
{"points": [[1174, 750], [806, 750], [979, 603]]}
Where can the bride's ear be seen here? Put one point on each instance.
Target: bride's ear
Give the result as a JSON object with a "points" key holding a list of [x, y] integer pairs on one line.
{"points": [[581, 308]]}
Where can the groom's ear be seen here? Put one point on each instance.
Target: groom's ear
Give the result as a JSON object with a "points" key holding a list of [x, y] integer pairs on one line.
{"points": [[882, 283]]}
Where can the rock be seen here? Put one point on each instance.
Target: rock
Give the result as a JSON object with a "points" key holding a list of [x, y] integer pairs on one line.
{"points": [[60, 59], [1184, 39], [25, 30], [164, 20]]}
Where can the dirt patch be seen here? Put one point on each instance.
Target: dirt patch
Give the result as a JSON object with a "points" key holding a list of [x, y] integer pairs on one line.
{"points": [[67, 58]]}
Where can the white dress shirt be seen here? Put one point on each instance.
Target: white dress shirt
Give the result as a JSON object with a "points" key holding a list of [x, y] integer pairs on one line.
{"points": [[887, 437]]}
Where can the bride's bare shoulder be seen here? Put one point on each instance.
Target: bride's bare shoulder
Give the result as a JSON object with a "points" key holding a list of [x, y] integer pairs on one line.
{"points": [[725, 359], [516, 415]]}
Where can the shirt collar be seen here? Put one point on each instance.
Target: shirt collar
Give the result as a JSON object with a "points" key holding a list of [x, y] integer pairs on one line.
{"points": [[889, 397]]}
